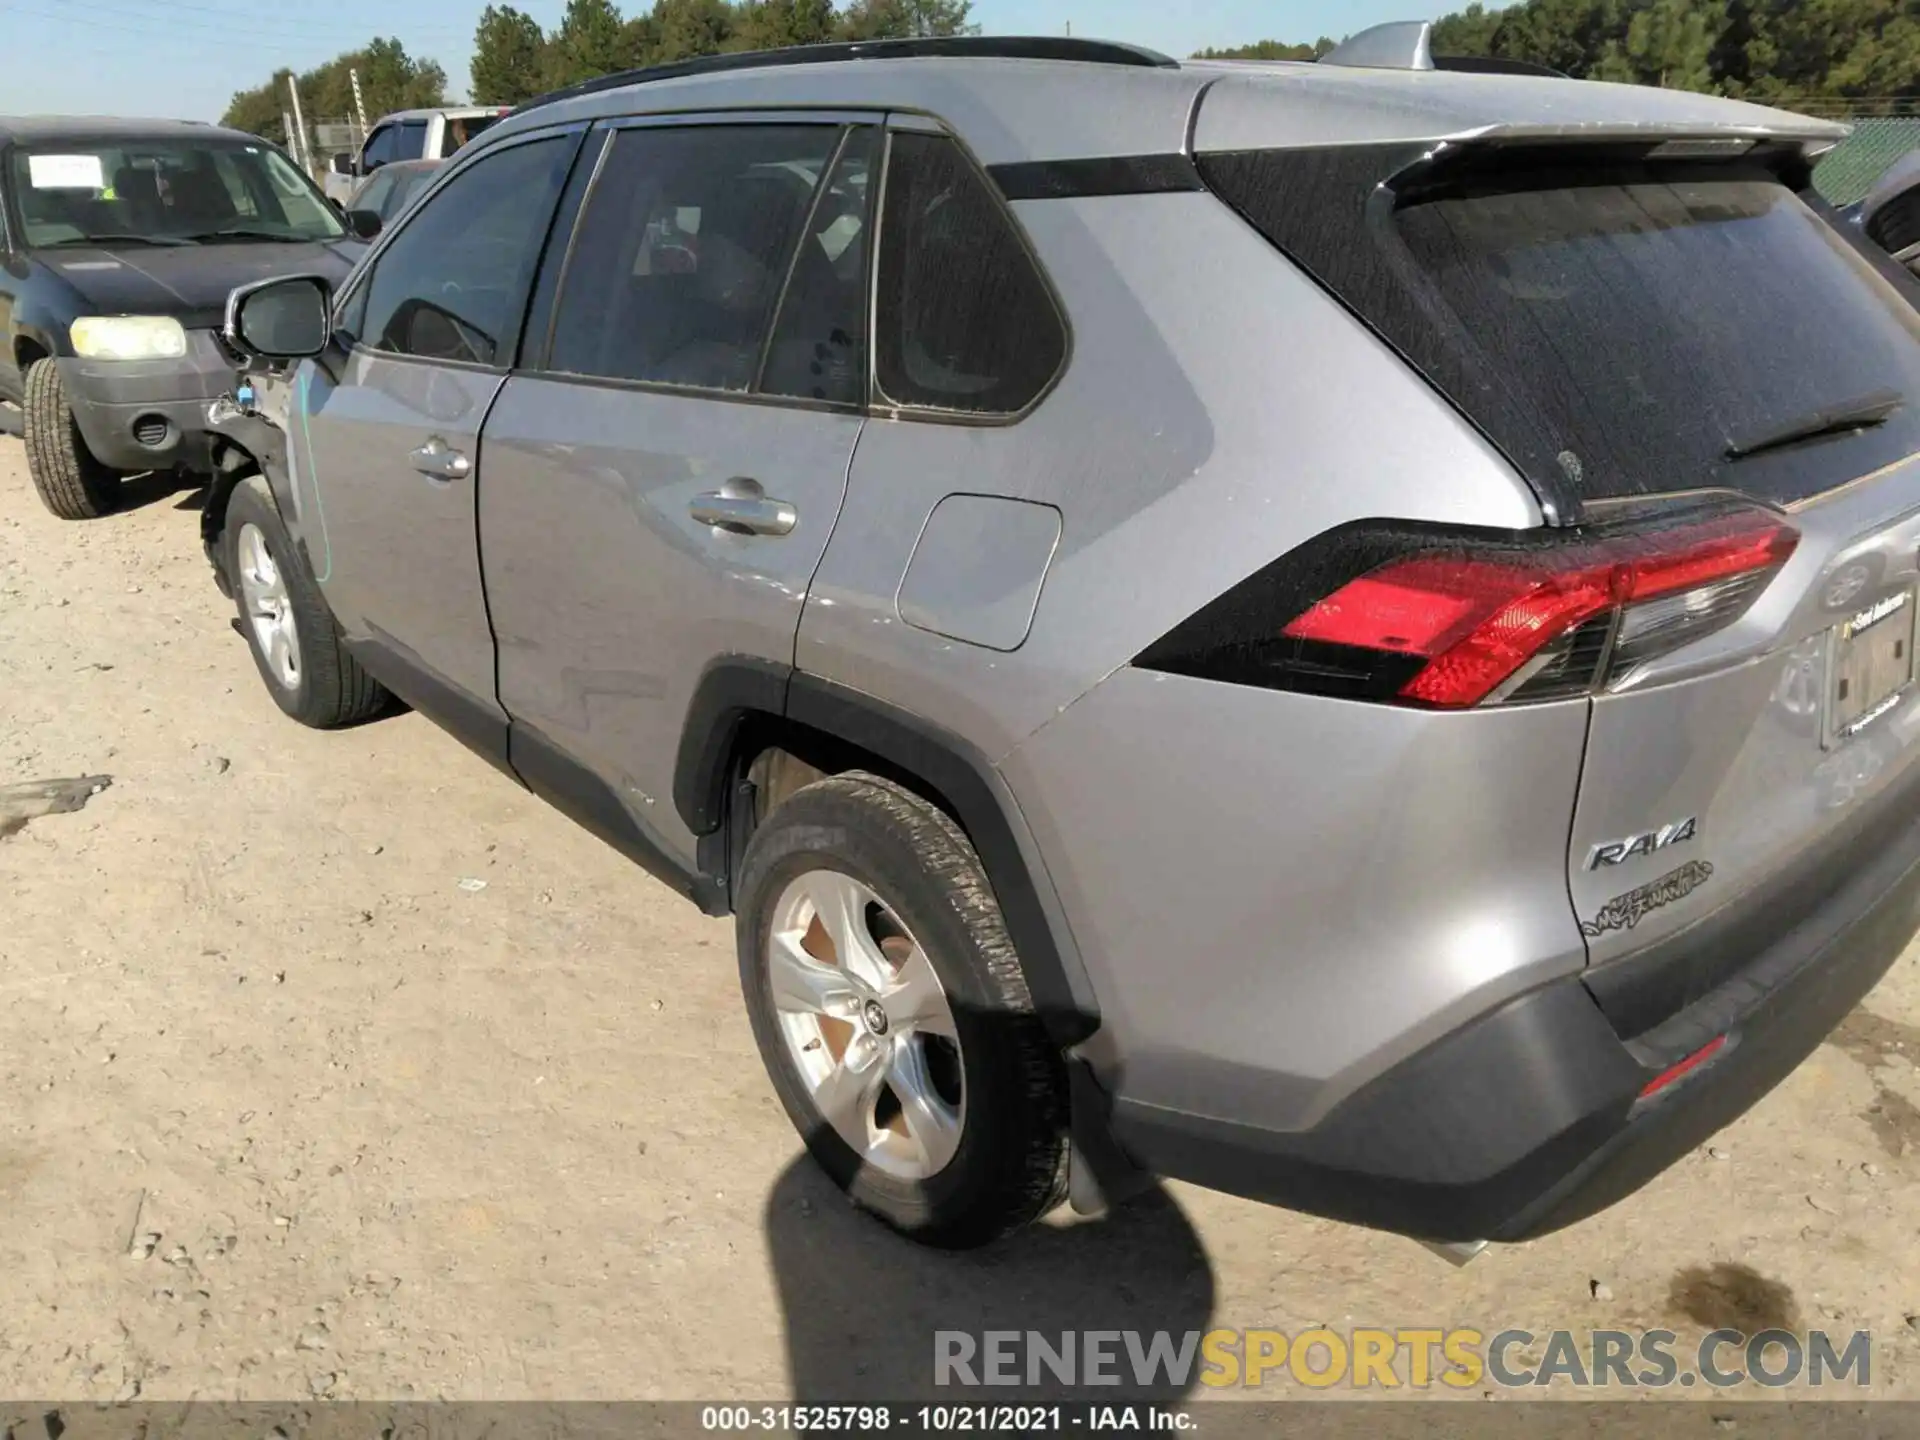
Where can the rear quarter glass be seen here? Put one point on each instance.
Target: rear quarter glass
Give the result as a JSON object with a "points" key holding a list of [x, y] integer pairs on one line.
{"points": [[1614, 324]]}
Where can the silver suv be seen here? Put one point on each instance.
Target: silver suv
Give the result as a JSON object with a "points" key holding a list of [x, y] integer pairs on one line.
{"points": [[1343, 632]]}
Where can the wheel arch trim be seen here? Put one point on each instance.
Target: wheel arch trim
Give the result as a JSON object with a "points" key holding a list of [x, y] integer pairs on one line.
{"points": [[31, 343], [736, 690]]}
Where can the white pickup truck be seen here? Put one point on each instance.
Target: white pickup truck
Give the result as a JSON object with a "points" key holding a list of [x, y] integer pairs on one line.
{"points": [[407, 135]]}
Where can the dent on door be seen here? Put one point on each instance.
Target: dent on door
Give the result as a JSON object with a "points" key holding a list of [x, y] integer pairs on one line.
{"points": [[390, 466], [632, 539]]}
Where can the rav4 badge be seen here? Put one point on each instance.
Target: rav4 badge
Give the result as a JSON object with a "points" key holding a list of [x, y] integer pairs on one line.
{"points": [[1618, 852]]}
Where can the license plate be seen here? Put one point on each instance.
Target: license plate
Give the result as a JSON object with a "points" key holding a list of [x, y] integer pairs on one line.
{"points": [[1872, 665]]}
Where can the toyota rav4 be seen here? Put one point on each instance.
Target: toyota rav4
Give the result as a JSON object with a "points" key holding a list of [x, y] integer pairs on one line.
{"points": [[1341, 631]]}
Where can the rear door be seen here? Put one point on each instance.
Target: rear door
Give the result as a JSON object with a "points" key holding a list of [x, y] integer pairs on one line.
{"points": [[661, 484], [1654, 336], [390, 430]]}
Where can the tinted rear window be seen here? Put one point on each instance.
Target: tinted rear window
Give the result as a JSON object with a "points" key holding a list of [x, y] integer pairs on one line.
{"points": [[1616, 331], [966, 323], [463, 129]]}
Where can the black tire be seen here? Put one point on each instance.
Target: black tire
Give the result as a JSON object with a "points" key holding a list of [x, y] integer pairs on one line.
{"points": [[1010, 1166], [71, 483], [331, 690]]}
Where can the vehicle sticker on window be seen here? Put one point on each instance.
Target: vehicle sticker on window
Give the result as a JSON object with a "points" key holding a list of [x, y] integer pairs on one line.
{"points": [[1623, 912], [66, 172]]}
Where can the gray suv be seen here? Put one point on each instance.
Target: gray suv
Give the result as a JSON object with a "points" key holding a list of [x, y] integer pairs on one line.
{"points": [[1342, 632]]}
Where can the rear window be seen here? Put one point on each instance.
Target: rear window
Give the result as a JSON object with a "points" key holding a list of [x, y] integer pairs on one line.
{"points": [[1620, 332], [461, 129], [966, 324]]}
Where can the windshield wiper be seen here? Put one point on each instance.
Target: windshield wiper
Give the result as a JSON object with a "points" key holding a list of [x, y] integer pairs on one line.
{"points": [[243, 232], [1845, 418], [99, 241]]}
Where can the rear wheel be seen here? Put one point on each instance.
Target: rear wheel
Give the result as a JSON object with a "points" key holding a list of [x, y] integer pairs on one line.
{"points": [[70, 481], [893, 1015], [295, 643]]}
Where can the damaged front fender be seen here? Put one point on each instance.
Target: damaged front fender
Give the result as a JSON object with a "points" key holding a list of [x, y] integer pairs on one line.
{"points": [[249, 438]]}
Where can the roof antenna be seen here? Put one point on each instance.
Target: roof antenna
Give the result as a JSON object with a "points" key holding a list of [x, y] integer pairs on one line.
{"points": [[1400, 45]]}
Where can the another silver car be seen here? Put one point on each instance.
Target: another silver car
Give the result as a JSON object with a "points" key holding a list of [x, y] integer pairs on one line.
{"points": [[391, 189], [1344, 632]]}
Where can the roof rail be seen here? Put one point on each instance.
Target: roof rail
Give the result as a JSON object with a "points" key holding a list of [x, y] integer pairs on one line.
{"points": [[1398, 45], [1496, 65], [981, 47]]}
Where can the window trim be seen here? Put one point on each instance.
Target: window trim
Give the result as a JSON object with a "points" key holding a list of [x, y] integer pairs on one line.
{"points": [[837, 117], [601, 139], [696, 392], [360, 280], [882, 406], [756, 385]]}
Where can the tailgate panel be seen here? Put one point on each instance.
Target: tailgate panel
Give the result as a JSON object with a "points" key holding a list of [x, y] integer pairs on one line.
{"points": [[1720, 779]]}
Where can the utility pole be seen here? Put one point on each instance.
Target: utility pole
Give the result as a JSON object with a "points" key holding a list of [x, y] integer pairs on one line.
{"points": [[359, 105], [302, 152]]}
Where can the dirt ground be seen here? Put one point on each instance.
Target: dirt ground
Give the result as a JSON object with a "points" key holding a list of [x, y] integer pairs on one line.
{"points": [[292, 1106]]}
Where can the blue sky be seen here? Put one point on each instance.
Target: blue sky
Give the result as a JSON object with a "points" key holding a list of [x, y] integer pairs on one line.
{"points": [[186, 57]]}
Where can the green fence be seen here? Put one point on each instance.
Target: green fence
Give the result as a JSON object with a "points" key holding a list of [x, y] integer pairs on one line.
{"points": [[1848, 171]]}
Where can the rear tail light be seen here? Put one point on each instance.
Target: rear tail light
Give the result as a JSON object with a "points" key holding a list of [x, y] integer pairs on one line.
{"points": [[1456, 618]]}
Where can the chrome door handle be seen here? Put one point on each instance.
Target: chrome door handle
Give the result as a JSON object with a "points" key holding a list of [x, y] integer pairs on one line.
{"points": [[742, 507], [437, 459]]}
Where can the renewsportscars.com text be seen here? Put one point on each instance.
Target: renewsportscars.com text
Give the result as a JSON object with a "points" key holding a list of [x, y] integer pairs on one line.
{"points": [[1381, 1359]]}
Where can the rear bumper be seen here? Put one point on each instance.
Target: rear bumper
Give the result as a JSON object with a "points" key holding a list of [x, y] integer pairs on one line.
{"points": [[1530, 1118], [148, 414]]}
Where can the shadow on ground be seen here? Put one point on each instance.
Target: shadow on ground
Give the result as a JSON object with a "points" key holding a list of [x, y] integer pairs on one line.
{"points": [[861, 1305], [152, 486]]}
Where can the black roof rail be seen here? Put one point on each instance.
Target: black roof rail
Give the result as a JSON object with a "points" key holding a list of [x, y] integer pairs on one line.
{"points": [[972, 47], [1496, 65]]}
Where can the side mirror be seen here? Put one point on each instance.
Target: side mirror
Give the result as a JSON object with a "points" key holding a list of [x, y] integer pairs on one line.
{"points": [[342, 164], [285, 319], [364, 224]]}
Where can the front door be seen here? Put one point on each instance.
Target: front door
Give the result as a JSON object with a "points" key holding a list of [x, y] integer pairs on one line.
{"points": [[386, 450], [661, 486]]}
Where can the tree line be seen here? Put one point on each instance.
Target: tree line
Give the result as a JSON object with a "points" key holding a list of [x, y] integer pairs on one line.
{"points": [[515, 60], [1781, 51], [1778, 51]]}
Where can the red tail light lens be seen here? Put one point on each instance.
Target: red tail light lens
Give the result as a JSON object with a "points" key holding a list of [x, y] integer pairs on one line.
{"points": [[1685, 1068], [1449, 621]]}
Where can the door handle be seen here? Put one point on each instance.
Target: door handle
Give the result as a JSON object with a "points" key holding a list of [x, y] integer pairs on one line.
{"points": [[744, 508], [441, 461]]}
